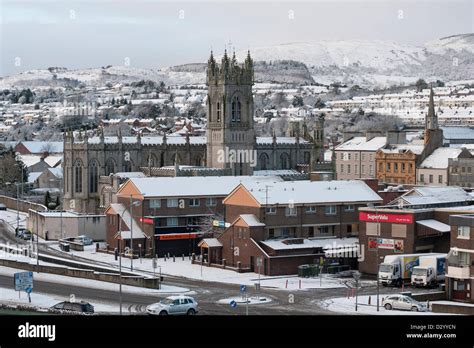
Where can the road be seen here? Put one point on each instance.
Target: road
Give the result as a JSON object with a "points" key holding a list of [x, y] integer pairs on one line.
{"points": [[206, 293]]}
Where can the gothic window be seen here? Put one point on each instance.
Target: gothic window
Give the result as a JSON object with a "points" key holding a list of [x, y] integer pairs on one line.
{"points": [[110, 167], [197, 161], [236, 110], [127, 166], [78, 176], [285, 161], [218, 112], [307, 157], [93, 176], [264, 161]]}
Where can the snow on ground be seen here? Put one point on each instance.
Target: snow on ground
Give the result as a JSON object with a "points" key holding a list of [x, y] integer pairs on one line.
{"points": [[344, 305], [251, 300], [184, 268], [10, 217], [12, 297]]}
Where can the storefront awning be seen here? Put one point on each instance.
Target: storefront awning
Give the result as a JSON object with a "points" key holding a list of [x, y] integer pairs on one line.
{"points": [[435, 225]]}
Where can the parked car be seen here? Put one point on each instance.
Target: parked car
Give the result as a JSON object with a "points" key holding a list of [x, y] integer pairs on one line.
{"points": [[27, 235], [84, 240], [174, 305], [19, 231], [403, 302], [3, 206], [74, 307]]}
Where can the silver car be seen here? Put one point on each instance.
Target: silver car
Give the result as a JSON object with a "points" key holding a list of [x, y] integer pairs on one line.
{"points": [[174, 305], [403, 302]]}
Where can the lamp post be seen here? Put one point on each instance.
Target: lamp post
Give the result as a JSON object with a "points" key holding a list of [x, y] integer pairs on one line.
{"points": [[356, 276], [60, 204]]}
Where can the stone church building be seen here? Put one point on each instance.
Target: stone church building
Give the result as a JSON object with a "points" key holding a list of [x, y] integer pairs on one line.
{"points": [[230, 147]]}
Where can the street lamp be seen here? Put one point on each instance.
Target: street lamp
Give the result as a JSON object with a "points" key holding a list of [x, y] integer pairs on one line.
{"points": [[132, 204], [60, 203], [356, 276]]}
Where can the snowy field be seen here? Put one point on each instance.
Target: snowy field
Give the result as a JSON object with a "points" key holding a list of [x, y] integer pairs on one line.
{"points": [[184, 268], [344, 305]]}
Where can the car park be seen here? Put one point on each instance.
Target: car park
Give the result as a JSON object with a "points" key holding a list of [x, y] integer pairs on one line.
{"points": [[403, 302], [73, 307], [174, 305]]}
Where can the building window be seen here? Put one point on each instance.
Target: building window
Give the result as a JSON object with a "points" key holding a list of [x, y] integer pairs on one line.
{"points": [[342, 156], [155, 203], [349, 208], [356, 168], [211, 202], [440, 179], [270, 210], [192, 221], [194, 202], [348, 169], [271, 233], [323, 229], [463, 259], [468, 169], [422, 178], [236, 110], [464, 232], [388, 167], [356, 156], [285, 232], [342, 168], [362, 156], [463, 169], [431, 179], [172, 221], [410, 168], [310, 210], [330, 210], [78, 177], [403, 167], [371, 171], [93, 176], [362, 169], [395, 167], [290, 211], [311, 231], [172, 203]]}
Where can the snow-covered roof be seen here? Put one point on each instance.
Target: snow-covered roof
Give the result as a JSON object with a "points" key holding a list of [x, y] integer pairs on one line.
{"points": [[195, 186], [312, 192], [322, 243], [33, 176], [458, 132], [251, 220], [130, 175], [122, 211], [211, 242], [361, 144], [279, 140], [439, 158], [150, 140], [276, 172], [435, 195], [415, 148], [41, 146], [435, 225], [57, 172]]}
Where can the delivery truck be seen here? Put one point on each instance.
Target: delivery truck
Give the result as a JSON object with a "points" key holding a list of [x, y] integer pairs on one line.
{"points": [[395, 269], [431, 270]]}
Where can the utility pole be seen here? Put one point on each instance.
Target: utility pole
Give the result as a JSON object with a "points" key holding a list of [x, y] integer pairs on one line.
{"points": [[131, 232]]}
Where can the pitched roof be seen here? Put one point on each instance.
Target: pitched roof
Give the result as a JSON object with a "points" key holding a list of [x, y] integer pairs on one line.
{"points": [[195, 186], [251, 220], [312, 192], [361, 144], [439, 158]]}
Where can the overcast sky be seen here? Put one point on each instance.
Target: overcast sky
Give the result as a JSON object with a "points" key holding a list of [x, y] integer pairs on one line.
{"points": [[151, 34]]}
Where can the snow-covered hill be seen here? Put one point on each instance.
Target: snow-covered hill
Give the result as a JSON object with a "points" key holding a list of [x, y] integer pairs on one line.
{"points": [[366, 63]]}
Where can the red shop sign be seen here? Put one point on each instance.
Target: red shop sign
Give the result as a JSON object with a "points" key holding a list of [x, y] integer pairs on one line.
{"points": [[382, 217]]}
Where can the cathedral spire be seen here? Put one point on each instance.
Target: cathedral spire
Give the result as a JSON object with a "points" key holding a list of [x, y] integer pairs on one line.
{"points": [[432, 118]]}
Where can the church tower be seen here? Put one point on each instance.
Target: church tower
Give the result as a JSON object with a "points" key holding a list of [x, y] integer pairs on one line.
{"points": [[433, 137], [230, 132]]}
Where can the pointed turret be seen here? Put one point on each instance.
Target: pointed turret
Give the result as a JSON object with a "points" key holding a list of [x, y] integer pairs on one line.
{"points": [[431, 117]]}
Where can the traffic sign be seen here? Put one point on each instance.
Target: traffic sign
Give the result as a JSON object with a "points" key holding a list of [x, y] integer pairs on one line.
{"points": [[23, 281], [29, 290], [233, 304], [243, 288]]}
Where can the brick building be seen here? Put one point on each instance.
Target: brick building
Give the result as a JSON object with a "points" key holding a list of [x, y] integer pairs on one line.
{"points": [[460, 271], [416, 222], [170, 214], [287, 224]]}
